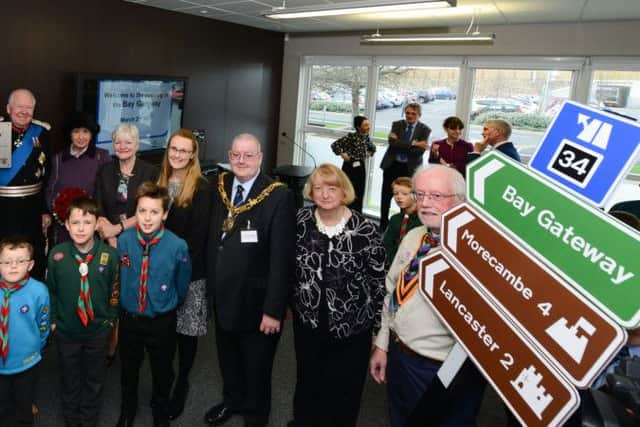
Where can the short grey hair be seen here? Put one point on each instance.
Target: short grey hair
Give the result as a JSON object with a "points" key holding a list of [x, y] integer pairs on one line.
{"points": [[458, 185], [13, 94], [503, 125], [126, 130], [249, 137]]}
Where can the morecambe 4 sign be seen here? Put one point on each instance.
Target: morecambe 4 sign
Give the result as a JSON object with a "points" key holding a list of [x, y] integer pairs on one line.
{"points": [[565, 327]]}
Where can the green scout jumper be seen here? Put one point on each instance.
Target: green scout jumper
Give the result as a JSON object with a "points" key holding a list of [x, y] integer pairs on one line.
{"points": [[63, 280]]}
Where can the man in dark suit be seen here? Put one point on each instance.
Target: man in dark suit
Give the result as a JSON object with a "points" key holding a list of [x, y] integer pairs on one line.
{"points": [[495, 133], [250, 272], [407, 143]]}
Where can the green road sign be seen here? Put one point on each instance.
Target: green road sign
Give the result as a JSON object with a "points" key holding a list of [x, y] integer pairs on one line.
{"points": [[593, 251]]}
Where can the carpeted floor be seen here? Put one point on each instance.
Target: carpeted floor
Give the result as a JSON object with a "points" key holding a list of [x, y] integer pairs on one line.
{"points": [[206, 390]]}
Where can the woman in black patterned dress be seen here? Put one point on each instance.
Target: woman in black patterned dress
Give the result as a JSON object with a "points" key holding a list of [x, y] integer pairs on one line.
{"points": [[336, 303]]}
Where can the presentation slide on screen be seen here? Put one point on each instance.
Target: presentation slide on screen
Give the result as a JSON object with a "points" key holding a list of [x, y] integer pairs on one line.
{"points": [[154, 106]]}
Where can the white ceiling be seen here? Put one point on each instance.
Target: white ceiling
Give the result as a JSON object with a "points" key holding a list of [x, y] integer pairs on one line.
{"points": [[489, 12]]}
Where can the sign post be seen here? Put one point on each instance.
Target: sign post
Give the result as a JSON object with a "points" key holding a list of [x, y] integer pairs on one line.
{"points": [[576, 336], [587, 151], [534, 391], [594, 252]]}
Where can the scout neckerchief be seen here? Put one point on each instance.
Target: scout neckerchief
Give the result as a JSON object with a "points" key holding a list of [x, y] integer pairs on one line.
{"points": [[85, 308], [20, 155], [4, 316], [144, 269], [234, 211], [403, 226], [408, 279]]}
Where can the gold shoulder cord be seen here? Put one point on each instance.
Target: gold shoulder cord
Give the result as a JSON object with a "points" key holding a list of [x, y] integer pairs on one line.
{"points": [[227, 225]]}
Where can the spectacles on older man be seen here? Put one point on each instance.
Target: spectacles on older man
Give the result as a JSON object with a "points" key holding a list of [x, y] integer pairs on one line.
{"points": [[436, 197]]}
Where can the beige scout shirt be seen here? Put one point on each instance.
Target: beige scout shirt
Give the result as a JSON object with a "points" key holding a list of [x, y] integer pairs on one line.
{"points": [[415, 322]]}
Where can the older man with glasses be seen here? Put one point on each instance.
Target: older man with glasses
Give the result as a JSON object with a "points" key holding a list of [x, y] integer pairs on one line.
{"points": [[412, 342], [250, 273]]}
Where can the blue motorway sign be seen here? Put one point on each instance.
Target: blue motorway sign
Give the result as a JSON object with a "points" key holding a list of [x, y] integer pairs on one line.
{"points": [[587, 151]]}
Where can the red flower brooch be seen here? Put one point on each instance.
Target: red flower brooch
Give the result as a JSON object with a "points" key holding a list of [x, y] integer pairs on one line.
{"points": [[63, 199]]}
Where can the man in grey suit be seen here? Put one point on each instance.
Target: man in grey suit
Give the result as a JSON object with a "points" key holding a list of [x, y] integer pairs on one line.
{"points": [[407, 144]]}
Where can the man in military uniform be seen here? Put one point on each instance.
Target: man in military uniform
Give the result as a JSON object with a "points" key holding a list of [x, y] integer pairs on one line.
{"points": [[24, 211]]}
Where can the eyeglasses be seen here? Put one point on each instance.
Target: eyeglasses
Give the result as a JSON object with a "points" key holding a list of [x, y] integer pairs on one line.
{"points": [[436, 197], [14, 261], [247, 156], [179, 151]]}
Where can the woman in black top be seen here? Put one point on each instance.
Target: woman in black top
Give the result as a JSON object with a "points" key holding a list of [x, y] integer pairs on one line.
{"points": [[188, 218], [354, 148], [337, 300], [117, 182]]}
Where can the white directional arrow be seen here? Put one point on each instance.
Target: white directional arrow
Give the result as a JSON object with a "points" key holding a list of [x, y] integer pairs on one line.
{"points": [[431, 270], [454, 224], [481, 175]]}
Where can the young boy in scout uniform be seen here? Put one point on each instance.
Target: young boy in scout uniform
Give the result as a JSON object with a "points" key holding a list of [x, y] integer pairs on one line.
{"points": [[156, 271], [24, 328], [83, 280]]}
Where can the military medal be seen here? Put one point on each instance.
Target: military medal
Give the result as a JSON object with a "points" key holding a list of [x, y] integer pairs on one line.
{"points": [[227, 224], [83, 269]]}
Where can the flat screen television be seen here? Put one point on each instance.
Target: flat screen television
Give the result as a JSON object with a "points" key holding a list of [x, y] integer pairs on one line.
{"points": [[154, 104]]}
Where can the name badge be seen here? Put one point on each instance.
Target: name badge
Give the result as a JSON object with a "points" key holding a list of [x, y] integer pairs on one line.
{"points": [[249, 236], [356, 164]]}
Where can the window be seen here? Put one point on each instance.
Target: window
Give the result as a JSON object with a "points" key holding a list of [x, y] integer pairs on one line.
{"points": [[337, 94], [528, 99], [618, 91]]}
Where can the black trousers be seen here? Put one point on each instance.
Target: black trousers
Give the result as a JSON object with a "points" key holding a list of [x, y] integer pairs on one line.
{"points": [[246, 362], [330, 378], [17, 391], [83, 367], [396, 170], [158, 337], [357, 175]]}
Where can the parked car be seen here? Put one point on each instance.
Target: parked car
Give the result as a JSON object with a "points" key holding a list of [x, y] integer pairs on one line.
{"points": [[444, 93], [382, 102], [425, 95], [479, 106]]}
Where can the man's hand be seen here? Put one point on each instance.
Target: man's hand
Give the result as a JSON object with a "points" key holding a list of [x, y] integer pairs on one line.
{"points": [[53, 327], [345, 156], [420, 144], [269, 325], [378, 365], [479, 147], [393, 135]]}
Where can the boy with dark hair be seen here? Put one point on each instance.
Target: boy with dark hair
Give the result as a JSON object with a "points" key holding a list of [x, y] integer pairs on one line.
{"points": [[156, 271], [83, 283], [24, 327]]}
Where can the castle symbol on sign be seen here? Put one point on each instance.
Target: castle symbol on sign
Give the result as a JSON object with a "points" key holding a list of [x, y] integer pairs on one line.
{"points": [[528, 386]]}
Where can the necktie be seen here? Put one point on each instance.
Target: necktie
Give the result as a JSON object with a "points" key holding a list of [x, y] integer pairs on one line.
{"points": [[85, 308], [409, 133], [144, 268], [4, 316], [408, 279], [238, 198]]}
